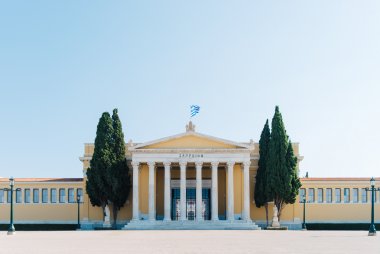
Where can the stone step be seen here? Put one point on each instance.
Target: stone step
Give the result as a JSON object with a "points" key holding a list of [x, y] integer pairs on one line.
{"points": [[191, 225]]}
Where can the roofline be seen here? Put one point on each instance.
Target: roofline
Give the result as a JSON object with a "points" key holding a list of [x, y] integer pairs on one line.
{"points": [[43, 179], [310, 179]]}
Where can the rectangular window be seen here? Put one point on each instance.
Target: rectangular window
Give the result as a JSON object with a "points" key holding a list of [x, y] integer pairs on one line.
{"points": [[320, 195], [44, 195], [62, 196], [364, 196], [80, 194], [53, 195], [9, 196], [329, 195], [1, 196], [311, 196], [18, 196], [302, 194], [346, 195], [36, 195], [337, 196], [27, 195], [355, 195], [71, 195]]}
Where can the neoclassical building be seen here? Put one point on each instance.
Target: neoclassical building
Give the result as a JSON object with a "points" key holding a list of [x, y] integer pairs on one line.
{"points": [[187, 181]]}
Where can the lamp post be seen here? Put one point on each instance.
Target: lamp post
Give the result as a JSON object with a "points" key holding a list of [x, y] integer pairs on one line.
{"points": [[304, 213], [372, 228], [78, 202], [11, 229]]}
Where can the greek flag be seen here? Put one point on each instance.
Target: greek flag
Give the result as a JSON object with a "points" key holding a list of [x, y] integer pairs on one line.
{"points": [[194, 109]]}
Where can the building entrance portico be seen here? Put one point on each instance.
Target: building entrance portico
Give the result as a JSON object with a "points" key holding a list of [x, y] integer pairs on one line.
{"points": [[198, 173]]}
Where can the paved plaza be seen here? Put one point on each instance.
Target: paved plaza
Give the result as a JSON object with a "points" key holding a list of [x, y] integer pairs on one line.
{"points": [[73, 242]]}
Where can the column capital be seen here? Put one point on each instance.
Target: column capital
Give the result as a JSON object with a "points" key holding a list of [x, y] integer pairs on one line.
{"points": [[199, 163], [230, 163], [135, 163], [182, 163], [167, 163], [247, 163], [215, 164], [151, 163]]}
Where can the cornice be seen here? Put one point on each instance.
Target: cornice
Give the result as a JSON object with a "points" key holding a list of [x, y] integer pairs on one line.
{"points": [[192, 150]]}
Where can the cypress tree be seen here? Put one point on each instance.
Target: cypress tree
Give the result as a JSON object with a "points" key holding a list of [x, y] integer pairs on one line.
{"points": [[261, 195], [278, 175], [291, 164], [118, 176], [97, 186]]}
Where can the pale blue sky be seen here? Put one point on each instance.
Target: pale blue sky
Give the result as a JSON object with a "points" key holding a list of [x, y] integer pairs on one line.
{"points": [[63, 63]]}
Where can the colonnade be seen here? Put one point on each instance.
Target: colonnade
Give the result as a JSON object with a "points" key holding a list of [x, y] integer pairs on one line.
{"points": [[214, 190]]}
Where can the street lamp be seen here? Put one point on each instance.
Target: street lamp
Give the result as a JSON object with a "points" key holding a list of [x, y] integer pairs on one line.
{"points": [[78, 202], [11, 229], [372, 228], [304, 212]]}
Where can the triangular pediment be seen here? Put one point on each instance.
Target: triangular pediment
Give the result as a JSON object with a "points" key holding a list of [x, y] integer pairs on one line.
{"points": [[191, 140]]}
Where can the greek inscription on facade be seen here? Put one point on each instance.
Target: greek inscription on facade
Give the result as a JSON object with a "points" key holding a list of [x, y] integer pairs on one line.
{"points": [[190, 155]]}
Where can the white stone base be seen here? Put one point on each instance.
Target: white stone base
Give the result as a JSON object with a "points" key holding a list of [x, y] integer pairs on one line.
{"points": [[191, 225]]}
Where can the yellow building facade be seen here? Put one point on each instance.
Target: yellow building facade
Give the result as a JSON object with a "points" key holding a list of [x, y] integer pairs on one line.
{"points": [[187, 181]]}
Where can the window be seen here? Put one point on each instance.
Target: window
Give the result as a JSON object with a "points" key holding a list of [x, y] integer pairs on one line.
{"points": [[61, 195], [80, 194], [18, 196], [311, 196], [355, 195], [9, 196], [320, 195], [1, 196], [27, 195], [71, 195], [337, 196], [36, 194], [53, 195], [364, 196], [302, 194], [329, 195], [44, 195], [346, 195]]}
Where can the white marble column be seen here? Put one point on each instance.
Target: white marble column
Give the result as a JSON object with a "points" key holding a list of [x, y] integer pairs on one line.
{"points": [[198, 191], [167, 192], [182, 165], [151, 191], [246, 209], [230, 197], [214, 191], [135, 205]]}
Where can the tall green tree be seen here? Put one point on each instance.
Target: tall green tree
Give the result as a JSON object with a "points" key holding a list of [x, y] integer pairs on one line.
{"points": [[281, 182], [118, 176], [261, 194], [97, 186], [291, 164]]}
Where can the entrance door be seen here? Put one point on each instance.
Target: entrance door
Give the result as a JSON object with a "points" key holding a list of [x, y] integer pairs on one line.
{"points": [[190, 203]]}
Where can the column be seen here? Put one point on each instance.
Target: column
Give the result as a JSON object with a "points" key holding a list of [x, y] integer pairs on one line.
{"points": [[246, 209], [230, 205], [167, 192], [135, 206], [214, 191], [182, 165], [198, 191], [151, 191]]}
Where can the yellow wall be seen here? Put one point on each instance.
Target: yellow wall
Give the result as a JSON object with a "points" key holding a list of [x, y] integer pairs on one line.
{"points": [[190, 142], [41, 212]]}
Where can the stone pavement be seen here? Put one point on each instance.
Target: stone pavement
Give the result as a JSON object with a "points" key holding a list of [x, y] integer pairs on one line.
{"points": [[94, 242]]}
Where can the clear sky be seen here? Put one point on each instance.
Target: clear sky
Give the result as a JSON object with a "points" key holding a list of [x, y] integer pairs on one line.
{"points": [[63, 63]]}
